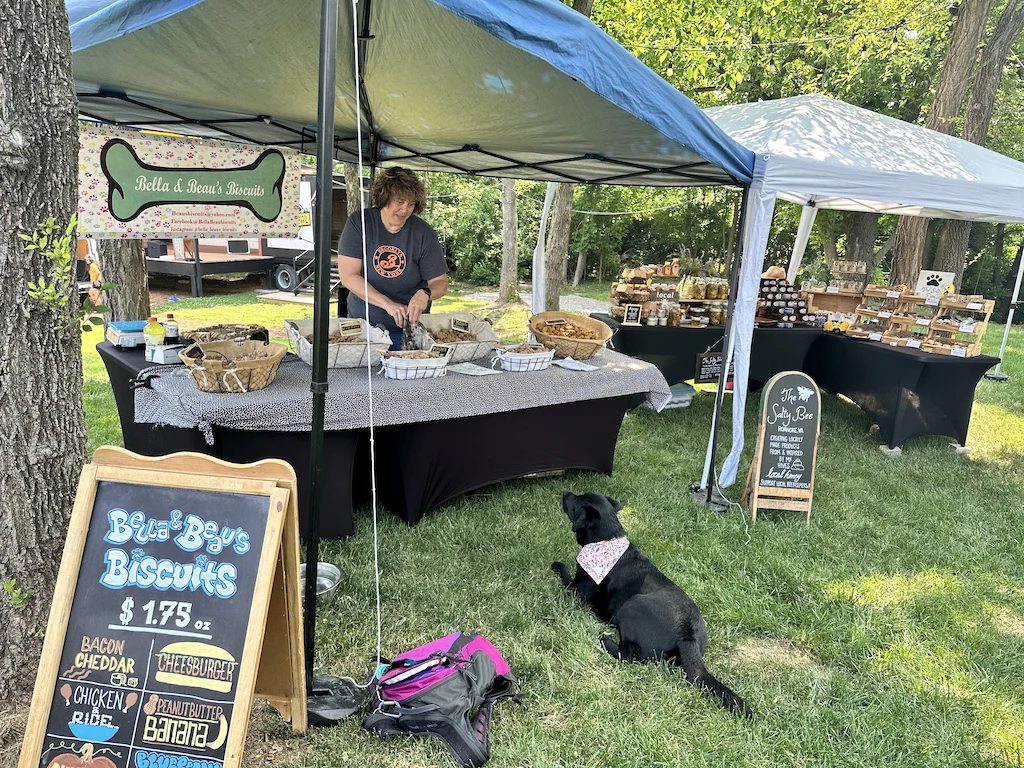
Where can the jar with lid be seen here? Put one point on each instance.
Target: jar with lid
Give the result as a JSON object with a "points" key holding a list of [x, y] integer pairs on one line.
{"points": [[700, 288], [698, 314], [715, 313], [652, 318]]}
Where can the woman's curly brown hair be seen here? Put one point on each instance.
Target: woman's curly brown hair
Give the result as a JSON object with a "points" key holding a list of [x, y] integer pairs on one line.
{"points": [[398, 182]]}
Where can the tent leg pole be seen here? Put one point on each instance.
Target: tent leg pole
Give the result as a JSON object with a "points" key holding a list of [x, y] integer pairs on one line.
{"points": [[997, 375], [321, 309], [704, 491]]}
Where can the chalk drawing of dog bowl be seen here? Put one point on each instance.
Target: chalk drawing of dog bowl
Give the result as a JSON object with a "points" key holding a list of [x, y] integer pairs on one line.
{"points": [[93, 732]]}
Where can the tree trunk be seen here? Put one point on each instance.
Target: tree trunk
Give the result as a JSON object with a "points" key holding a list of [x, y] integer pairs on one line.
{"points": [[557, 257], [508, 285], [353, 196], [123, 263], [954, 77], [42, 426], [861, 233], [581, 267], [956, 234]]}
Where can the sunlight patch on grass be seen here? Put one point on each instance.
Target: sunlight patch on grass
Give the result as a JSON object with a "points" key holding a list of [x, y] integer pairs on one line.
{"points": [[770, 651], [997, 433], [880, 591], [1006, 622]]}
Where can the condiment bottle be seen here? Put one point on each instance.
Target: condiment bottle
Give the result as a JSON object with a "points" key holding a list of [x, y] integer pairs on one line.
{"points": [[170, 330], [153, 333]]}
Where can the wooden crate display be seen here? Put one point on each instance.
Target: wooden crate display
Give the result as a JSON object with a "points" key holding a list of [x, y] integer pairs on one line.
{"points": [[825, 301], [959, 327], [874, 312], [910, 321]]}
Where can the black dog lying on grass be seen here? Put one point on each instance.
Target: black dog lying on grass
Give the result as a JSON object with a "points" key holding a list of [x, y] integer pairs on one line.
{"points": [[657, 621]]}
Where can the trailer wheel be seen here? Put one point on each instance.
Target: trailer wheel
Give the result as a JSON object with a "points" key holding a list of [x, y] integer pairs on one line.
{"points": [[285, 277]]}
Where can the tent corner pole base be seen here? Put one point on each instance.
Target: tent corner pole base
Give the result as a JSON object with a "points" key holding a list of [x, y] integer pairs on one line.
{"points": [[708, 497], [333, 699], [997, 376]]}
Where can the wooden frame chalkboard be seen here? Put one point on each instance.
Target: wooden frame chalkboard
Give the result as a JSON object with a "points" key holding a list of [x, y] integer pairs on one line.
{"points": [[782, 471], [177, 600]]}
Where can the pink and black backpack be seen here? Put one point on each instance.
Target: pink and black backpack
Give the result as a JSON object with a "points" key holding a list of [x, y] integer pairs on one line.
{"points": [[433, 689]]}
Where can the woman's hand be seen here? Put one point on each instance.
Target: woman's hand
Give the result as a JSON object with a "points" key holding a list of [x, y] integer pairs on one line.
{"points": [[398, 312], [417, 306]]}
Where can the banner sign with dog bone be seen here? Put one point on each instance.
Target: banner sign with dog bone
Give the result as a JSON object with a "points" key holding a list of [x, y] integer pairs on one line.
{"points": [[134, 185]]}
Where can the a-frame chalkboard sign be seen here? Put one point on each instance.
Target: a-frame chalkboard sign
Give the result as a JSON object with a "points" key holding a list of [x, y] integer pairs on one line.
{"points": [[177, 601], [782, 472]]}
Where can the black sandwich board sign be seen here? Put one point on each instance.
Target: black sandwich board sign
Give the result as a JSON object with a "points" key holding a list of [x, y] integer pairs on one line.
{"points": [[709, 368], [785, 456], [179, 576]]}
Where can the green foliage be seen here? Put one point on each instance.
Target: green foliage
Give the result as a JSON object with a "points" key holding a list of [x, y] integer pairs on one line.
{"points": [[19, 597], [55, 291]]}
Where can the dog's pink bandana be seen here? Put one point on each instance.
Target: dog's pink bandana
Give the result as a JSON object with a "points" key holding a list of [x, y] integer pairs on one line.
{"points": [[599, 558]]}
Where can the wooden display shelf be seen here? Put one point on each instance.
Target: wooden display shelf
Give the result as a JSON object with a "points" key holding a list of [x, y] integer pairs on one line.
{"points": [[918, 320], [859, 332], [967, 304], [946, 326], [902, 341], [882, 292], [821, 301], [935, 348]]}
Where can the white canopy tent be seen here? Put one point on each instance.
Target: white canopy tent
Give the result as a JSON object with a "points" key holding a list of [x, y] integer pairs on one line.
{"points": [[823, 153]]}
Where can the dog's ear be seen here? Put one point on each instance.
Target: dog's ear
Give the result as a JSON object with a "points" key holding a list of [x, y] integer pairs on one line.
{"points": [[614, 504]]}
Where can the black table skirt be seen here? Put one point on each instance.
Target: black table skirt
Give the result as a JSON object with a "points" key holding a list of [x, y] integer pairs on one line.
{"points": [[438, 460], [906, 392], [419, 466]]}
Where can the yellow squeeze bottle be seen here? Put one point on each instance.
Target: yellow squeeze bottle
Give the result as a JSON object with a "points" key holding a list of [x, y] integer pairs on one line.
{"points": [[153, 333]]}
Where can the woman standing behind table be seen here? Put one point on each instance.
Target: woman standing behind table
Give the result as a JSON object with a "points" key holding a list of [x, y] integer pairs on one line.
{"points": [[406, 263]]}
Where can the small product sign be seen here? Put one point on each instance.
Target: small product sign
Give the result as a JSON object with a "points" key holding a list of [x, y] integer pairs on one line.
{"points": [[134, 185], [709, 368]]}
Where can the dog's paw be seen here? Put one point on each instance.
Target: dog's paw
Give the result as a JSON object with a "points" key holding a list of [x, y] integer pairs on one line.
{"points": [[610, 646], [558, 567]]}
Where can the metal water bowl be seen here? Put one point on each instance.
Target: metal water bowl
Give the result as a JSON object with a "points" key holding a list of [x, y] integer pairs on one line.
{"points": [[328, 577]]}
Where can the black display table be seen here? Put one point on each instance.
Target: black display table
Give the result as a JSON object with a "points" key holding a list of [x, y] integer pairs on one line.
{"points": [[420, 465], [906, 392]]}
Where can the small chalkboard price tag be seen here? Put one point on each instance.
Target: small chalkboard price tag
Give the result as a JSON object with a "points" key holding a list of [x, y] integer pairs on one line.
{"points": [[633, 314], [350, 328], [179, 576], [709, 368], [462, 326], [782, 472]]}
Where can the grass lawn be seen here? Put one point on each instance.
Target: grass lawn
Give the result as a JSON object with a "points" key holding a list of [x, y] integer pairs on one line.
{"points": [[888, 633]]}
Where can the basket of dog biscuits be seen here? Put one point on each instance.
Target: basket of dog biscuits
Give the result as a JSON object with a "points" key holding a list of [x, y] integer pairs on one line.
{"points": [[346, 342], [227, 366], [415, 364], [523, 357], [570, 335], [469, 337]]}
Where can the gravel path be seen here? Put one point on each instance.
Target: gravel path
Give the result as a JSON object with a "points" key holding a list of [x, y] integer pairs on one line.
{"points": [[571, 303]]}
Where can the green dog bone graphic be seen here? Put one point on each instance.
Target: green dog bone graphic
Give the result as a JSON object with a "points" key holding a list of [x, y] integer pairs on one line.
{"points": [[136, 186]]}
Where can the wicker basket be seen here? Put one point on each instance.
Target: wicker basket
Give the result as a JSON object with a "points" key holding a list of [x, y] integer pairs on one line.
{"points": [[395, 366], [462, 351], [350, 355], [577, 349], [520, 362], [227, 332], [215, 366]]}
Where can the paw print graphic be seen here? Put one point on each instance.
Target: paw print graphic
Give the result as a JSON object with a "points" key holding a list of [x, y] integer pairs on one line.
{"points": [[933, 280]]}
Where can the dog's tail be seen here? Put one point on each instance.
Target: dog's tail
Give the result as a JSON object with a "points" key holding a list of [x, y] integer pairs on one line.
{"points": [[698, 675]]}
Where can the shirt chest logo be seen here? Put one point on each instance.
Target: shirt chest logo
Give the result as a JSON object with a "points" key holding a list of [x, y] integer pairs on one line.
{"points": [[389, 261]]}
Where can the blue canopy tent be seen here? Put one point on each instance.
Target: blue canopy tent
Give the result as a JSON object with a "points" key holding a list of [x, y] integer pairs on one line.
{"points": [[524, 89]]}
